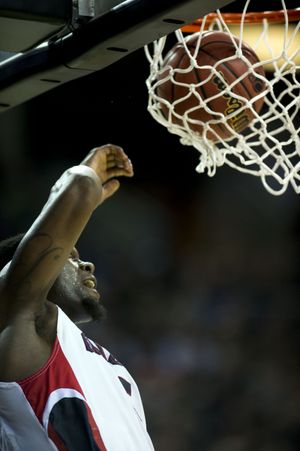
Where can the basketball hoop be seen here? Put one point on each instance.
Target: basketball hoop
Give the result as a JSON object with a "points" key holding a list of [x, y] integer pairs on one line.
{"points": [[270, 146]]}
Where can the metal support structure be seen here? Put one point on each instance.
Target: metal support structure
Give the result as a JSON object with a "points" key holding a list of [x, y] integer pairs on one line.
{"points": [[95, 45]]}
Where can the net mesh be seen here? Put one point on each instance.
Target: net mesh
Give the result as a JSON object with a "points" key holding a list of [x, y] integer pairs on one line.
{"points": [[270, 146]]}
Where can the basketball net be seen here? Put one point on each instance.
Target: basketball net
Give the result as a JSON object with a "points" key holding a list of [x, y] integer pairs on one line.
{"points": [[270, 146]]}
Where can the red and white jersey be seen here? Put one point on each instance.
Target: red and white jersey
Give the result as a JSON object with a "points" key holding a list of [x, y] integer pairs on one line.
{"points": [[82, 399]]}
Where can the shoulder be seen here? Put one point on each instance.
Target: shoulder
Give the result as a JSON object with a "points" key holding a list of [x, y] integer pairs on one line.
{"points": [[3, 273], [26, 342]]}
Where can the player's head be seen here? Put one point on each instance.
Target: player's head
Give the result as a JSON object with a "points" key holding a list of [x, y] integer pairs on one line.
{"points": [[74, 289]]}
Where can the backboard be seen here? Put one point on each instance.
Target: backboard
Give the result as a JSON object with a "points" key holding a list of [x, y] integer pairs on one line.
{"points": [[45, 45]]}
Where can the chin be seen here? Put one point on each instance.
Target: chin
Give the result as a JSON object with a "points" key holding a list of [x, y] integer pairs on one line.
{"points": [[94, 309]]}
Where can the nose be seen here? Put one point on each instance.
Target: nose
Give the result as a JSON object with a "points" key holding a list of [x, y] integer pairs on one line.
{"points": [[87, 266]]}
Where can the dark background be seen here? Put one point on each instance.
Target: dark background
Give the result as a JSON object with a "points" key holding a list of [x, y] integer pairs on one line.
{"points": [[200, 276]]}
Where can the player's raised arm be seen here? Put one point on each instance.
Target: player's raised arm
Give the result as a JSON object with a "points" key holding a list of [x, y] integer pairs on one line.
{"points": [[48, 243]]}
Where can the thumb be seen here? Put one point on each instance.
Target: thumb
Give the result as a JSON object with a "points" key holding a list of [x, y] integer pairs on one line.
{"points": [[109, 188]]}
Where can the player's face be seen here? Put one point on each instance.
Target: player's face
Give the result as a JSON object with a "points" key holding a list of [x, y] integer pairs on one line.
{"points": [[75, 290]]}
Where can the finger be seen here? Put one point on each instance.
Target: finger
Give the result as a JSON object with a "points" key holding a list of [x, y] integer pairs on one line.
{"points": [[118, 155], [112, 164], [109, 188], [121, 164], [118, 172], [112, 149], [108, 149], [121, 159]]}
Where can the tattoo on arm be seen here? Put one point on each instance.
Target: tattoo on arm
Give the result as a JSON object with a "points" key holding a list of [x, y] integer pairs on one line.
{"points": [[42, 249]]}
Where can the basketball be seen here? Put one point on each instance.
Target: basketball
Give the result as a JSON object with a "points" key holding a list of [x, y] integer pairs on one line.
{"points": [[181, 83]]}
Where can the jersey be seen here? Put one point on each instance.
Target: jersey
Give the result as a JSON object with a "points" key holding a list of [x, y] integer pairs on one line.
{"points": [[82, 399]]}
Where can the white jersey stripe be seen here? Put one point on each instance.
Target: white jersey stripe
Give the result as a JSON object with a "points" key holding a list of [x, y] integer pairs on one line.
{"points": [[55, 397]]}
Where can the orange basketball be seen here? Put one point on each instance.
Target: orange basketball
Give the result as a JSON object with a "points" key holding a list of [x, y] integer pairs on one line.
{"points": [[214, 47]]}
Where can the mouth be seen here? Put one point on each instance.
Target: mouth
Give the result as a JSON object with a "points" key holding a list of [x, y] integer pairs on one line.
{"points": [[91, 284]]}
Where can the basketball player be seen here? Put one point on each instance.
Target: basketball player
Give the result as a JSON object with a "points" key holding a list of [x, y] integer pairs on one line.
{"points": [[60, 390]]}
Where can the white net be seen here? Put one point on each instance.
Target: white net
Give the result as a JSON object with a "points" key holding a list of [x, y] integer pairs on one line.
{"points": [[269, 147]]}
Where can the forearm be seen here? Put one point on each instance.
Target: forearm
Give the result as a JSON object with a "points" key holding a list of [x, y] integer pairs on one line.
{"points": [[77, 176], [48, 243]]}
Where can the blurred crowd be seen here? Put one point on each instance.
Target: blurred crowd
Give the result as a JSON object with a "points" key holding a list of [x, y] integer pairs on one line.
{"points": [[203, 308]]}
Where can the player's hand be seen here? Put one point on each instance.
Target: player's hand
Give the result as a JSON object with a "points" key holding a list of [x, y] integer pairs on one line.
{"points": [[109, 161]]}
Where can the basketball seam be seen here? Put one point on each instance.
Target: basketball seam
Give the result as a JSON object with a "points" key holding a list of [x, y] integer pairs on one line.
{"points": [[228, 68], [221, 126]]}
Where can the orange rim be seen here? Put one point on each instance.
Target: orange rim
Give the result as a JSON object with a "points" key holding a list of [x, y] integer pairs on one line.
{"points": [[249, 18]]}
